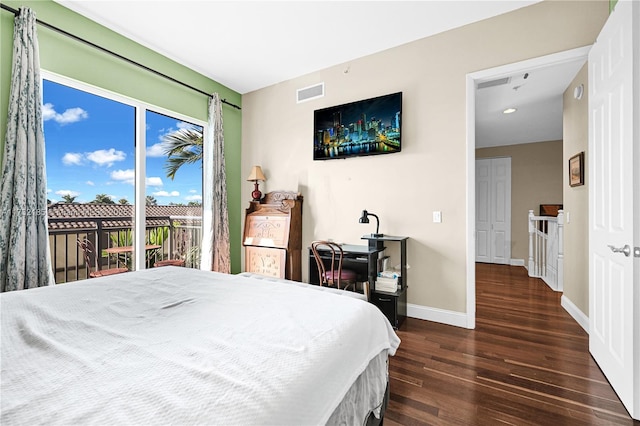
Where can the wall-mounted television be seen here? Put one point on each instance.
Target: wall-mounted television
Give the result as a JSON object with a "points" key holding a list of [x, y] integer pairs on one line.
{"points": [[366, 127]]}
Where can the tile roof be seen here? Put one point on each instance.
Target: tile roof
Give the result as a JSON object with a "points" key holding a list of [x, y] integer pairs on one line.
{"points": [[78, 216]]}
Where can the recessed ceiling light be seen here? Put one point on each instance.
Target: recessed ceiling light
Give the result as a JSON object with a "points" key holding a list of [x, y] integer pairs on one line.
{"points": [[509, 110]]}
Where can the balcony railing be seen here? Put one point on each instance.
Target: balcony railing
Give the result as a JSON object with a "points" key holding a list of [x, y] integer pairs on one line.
{"points": [[179, 237]]}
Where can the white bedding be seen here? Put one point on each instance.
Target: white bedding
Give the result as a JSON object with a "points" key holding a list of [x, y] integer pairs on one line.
{"points": [[181, 346]]}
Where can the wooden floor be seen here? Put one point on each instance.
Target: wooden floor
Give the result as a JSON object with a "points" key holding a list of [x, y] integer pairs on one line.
{"points": [[526, 363]]}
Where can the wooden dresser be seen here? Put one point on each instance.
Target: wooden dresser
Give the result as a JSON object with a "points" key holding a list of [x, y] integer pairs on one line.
{"points": [[273, 235]]}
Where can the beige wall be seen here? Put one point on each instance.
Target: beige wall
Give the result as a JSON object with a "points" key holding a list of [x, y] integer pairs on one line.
{"points": [[430, 173], [576, 199], [536, 178]]}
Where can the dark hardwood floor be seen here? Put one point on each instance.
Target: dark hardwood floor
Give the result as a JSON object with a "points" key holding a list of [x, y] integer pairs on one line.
{"points": [[526, 363]]}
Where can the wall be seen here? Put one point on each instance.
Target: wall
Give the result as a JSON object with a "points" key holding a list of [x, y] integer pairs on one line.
{"points": [[536, 178], [576, 199], [72, 59], [430, 173]]}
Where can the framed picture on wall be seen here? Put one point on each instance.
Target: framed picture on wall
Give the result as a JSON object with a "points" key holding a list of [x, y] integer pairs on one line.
{"points": [[576, 169]]}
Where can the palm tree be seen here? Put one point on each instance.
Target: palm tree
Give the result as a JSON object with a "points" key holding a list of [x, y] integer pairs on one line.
{"points": [[123, 201], [68, 198], [103, 199], [151, 201], [183, 146]]}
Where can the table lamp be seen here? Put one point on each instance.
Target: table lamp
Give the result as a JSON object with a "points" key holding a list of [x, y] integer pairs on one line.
{"points": [[365, 219], [255, 176]]}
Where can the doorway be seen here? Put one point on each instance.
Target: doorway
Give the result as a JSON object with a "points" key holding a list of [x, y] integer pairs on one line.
{"points": [[472, 84]]}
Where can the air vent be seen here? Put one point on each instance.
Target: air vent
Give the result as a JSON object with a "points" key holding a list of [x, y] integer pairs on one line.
{"points": [[310, 92], [492, 83]]}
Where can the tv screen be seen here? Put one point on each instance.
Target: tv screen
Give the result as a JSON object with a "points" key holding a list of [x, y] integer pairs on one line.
{"points": [[367, 127]]}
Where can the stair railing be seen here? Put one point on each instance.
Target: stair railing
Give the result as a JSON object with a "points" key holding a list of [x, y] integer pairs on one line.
{"points": [[546, 249]]}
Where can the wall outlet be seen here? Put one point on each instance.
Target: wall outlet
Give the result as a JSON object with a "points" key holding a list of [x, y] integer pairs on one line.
{"points": [[437, 217]]}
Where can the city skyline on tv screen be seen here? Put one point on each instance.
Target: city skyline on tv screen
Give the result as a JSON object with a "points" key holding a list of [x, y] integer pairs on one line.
{"points": [[367, 127]]}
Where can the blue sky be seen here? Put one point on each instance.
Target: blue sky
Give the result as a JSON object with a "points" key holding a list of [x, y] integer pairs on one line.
{"points": [[89, 143]]}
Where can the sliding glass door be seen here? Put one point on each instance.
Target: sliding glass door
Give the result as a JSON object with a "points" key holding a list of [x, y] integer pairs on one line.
{"points": [[174, 190], [114, 163]]}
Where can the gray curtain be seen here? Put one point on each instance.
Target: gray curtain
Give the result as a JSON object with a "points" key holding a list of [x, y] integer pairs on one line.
{"points": [[25, 260], [216, 252]]}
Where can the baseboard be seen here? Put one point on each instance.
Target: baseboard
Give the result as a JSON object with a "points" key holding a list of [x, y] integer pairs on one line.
{"points": [[517, 262], [457, 319], [576, 313]]}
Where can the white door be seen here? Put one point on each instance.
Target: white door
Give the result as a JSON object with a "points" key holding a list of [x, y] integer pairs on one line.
{"points": [[483, 211], [613, 323], [493, 210]]}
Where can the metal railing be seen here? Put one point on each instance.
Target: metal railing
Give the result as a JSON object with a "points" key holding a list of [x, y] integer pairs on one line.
{"points": [[179, 237]]}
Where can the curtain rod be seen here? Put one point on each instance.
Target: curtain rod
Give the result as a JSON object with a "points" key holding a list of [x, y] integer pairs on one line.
{"points": [[117, 55]]}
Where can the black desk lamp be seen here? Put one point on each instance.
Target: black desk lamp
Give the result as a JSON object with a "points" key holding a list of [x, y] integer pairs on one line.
{"points": [[365, 219]]}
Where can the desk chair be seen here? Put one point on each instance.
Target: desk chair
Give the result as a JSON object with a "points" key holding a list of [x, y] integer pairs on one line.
{"points": [[88, 251], [333, 277]]}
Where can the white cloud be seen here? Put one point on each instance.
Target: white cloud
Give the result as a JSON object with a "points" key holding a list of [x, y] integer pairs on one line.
{"points": [[106, 156], [154, 181], [129, 175], [72, 158], [156, 150], [71, 115], [124, 176], [185, 125], [166, 194], [49, 190], [193, 191], [63, 192], [181, 125], [48, 112], [90, 183], [193, 198]]}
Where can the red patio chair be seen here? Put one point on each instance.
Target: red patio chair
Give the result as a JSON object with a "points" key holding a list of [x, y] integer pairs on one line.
{"points": [[89, 251]]}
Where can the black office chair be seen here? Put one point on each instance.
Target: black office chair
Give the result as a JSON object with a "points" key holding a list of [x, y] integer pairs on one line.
{"points": [[335, 276]]}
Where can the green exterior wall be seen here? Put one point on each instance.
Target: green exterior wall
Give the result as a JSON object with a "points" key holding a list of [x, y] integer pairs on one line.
{"points": [[64, 56]]}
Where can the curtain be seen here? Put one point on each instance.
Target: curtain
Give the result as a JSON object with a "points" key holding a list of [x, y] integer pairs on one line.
{"points": [[216, 252], [25, 260]]}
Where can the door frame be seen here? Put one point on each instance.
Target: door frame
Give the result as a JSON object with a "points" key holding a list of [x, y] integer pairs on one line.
{"points": [[471, 79]]}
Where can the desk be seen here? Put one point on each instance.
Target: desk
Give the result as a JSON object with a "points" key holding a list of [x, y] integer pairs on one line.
{"points": [[363, 260], [393, 305], [128, 249]]}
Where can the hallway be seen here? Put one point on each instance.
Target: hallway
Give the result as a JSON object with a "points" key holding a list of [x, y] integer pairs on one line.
{"points": [[526, 363]]}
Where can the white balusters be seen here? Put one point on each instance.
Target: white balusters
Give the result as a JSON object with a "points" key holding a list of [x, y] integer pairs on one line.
{"points": [[532, 230], [546, 249], [560, 283]]}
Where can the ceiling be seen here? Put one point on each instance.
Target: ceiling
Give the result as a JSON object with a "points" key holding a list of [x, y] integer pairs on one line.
{"points": [[248, 45], [537, 99]]}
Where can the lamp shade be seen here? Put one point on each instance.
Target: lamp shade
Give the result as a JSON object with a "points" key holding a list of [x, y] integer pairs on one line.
{"points": [[364, 218], [256, 174]]}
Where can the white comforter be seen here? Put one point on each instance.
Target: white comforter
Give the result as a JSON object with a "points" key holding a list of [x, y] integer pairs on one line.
{"points": [[180, 346]]}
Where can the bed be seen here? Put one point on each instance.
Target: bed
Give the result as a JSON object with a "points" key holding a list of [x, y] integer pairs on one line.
{"points": [[181, 346]]}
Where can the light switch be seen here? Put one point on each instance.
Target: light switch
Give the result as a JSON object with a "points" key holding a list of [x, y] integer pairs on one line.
{"points": [[437, 217], [567, 216]]}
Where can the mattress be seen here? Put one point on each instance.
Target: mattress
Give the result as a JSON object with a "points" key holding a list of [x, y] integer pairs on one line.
{"points": [[182, 346]]}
